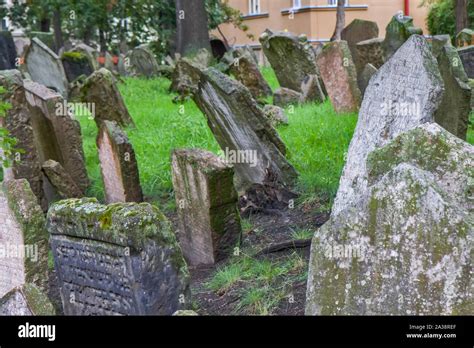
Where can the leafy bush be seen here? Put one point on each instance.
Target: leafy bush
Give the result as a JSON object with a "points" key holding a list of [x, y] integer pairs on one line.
{"points": [[442, 17]]}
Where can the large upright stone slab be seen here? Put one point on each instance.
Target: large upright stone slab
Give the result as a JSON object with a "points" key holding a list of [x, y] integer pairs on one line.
{"points": [[209, 220], [45, 67], [397, 32], [291, 57], [404, 93], [340, 76], [141, 62], [467, 57], [91, 54], [7, 51], [118, 165], [121, 259], [240, 127], [75, 65], [405, 246], [100, 88], [369, 52]]}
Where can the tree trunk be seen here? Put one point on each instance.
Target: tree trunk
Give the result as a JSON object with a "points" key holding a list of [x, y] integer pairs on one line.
{"points": [[461, 15], [340, 20], [192, 31], [58, 33]]}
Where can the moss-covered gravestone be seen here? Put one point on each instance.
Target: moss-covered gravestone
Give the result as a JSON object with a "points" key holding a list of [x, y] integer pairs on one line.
{"points": [[76, 64], [118, 165], [339, 74], [141, 62], [465, 38], [7, 51], [467, 58], [405, 246], [121, 259], [90, 53], [209, 221], [397, 32]]}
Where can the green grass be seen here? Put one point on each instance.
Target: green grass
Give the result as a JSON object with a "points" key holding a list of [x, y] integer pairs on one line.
{"points": [[302, 234]]}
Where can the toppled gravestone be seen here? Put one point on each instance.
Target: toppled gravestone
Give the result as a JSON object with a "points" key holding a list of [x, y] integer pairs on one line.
{"points": [[45, 67], [100, 89], [118, 165], [141, 62], [404, 93], [397, 32], [340, 76], [405, 247], [209, 220], [121, 259], [467, 58], [75, 65], [7, 51], [453, 112], [465, 38], [242, 130]]}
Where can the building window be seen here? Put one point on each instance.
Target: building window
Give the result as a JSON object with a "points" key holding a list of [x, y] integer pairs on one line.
{"points": [[296, 3], [334, 3], [254, 7]]}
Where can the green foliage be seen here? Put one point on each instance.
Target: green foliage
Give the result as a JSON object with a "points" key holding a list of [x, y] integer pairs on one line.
{"points": [[442, 17], [7, 143]]}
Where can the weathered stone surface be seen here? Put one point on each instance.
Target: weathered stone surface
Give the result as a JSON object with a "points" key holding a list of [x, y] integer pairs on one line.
{"points": [[364, 77], [185, 77], [369, 52], [141, 62], [453, 112], [404, 93], [465, 38], [285, 96], [291, 58], [7, 51], [209, 220], [340, 77], [76, 64], [45, 67], [311, 90], [100, 89], [14, 303], [467, 58], [118, 165], [359, 30], [239, 125], [91, 54], [46, 38], [26, 301], [61, 180], [121, 259], [275, 115], [405, 247], [397, 32], [21, 44]]}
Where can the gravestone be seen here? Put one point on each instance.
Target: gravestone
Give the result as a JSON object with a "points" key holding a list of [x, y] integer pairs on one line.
{"points": [[61, 180], [141, 62], [311, 90], [100, 89], [7, 51], [121, 259], [397, 32], [285, 96], [364, 77], [91, 54], [21, 44], [45, 67], [465, 38], [404, 93], [453, 113], [44, 37], [404, 247], [275, 115], [76, 64], [118, 165], [369, 52], [467, 58], [27, 300], [206, 200], [340, 76], [359, 30], [240, 126]]}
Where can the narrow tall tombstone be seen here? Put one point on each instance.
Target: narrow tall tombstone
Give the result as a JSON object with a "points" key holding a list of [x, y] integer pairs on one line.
{"points": [[7, 51], [141, 62], [397, 32], [45, 67], [100, 89], [404, 93], [206, 200], [467, 58], [121, 259], [241, 129], [118, 165], [340, 77]]}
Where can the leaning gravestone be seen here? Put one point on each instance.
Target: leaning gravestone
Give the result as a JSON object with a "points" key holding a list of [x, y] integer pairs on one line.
{"points": [[405, 246], [121, 259], [118, 165], [61, 180], [76, 64], [100, 89], [209, 220], [340, 76], [404, 93], [240, 126], [45, 67], [467, 57], [398, 31], [7, 51], [141, 62]]}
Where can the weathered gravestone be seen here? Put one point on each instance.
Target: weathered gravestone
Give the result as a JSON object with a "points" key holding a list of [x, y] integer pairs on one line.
{"points": [[121, 259], [397, 32], [100, 89], [404, 93], [453, 112], [76, 64], [467, 58], [240, 127], [27, 300], [369, 52], [364, 77], [61, 180], [275, 115], [45, 67], [340, 76], [209, 220], [7, 51], [405, 246], [141, 62], [359, 30], [118, 165], [91, 54], [285, 96], [465, 38]]}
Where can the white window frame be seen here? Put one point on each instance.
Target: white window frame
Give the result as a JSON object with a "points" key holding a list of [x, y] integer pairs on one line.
{"points": [[254, 7], [296, 3], [334, 3]]}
